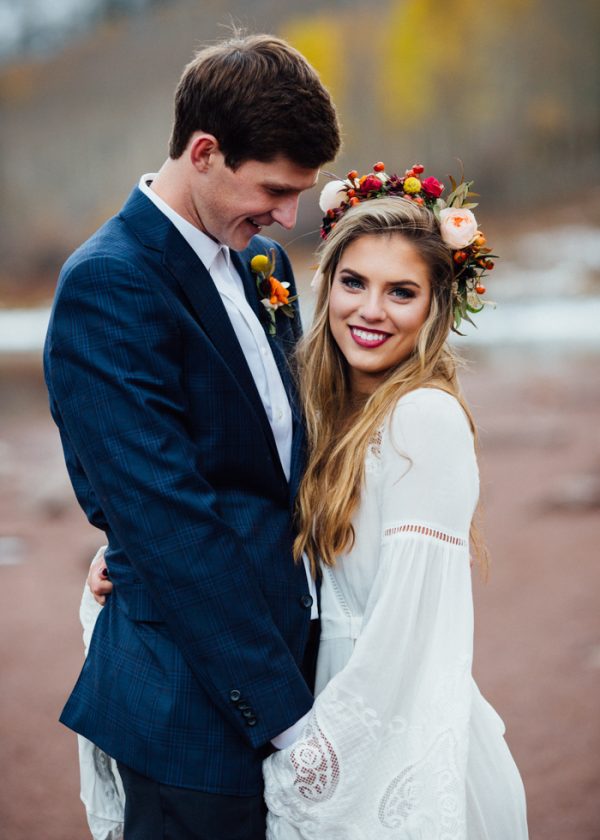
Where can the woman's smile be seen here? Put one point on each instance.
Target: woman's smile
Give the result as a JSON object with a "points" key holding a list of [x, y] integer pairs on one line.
{"points": [[368, 338]]}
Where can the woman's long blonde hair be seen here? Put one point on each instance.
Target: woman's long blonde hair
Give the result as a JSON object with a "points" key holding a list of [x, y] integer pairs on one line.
{"points": [[338, 429]]}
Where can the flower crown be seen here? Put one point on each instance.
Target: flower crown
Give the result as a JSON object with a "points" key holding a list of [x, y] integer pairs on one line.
{"points": [[458, 226]]}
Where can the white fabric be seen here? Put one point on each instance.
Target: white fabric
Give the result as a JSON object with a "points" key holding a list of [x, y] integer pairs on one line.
{"points": [[251, 335], [400, 743], [101, 788]]}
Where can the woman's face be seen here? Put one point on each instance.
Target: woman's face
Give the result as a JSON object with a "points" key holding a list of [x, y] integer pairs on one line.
{"points": [[379, 299]]}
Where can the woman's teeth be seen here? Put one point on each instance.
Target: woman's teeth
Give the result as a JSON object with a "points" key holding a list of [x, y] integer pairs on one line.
{"points": [[368, 336]]}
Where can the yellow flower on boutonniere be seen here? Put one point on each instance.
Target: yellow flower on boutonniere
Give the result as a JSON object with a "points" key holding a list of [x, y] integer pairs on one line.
{"points": [[273, 294]]}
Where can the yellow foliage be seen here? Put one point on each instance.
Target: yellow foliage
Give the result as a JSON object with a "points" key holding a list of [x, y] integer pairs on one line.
{"points": [[320, 38], [431, 48]]}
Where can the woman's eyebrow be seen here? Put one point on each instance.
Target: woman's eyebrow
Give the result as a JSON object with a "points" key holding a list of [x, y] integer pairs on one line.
{"points": [[358, 276]]}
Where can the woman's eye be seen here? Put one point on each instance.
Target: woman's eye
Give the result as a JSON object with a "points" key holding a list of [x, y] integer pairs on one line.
{"points": [[403, 292], [351, 282]]}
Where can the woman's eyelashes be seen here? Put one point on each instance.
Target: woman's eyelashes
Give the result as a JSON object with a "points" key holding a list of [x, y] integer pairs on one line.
{"points": [[352, 282], [402, 292]]}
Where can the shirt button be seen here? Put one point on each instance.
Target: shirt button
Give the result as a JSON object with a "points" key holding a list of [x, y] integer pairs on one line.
{"points": [[306, 601], [234, 695]]}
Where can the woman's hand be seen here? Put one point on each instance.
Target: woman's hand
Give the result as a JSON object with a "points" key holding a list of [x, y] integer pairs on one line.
{"points": [[98, 579]]}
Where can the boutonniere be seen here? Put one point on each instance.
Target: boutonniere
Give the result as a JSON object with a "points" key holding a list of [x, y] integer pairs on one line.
{"points": [[273, 294]]}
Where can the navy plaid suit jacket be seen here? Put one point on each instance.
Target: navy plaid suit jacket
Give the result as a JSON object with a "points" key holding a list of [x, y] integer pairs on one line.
{"points": [[194, 661]]}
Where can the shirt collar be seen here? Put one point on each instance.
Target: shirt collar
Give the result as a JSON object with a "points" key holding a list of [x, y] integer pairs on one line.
{"points": [[204, 247]]}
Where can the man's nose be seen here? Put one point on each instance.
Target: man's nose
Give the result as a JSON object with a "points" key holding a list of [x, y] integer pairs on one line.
{"points": [[286, 211]]}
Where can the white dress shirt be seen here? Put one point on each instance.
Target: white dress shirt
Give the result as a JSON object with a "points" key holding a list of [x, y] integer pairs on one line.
{"points": [[255, 347]]}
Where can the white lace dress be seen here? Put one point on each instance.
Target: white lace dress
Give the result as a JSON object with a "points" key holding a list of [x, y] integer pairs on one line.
{"points": [[400, 743]]}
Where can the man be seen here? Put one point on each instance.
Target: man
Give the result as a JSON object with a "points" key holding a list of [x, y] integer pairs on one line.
{"points": [[171, 398]]}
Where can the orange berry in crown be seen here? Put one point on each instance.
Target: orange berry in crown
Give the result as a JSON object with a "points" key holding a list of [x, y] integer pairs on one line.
{"points": [[418, 199], [351, 193], [460, 257], [418, 168], [379, 167], [354, 201], [352, 175], [489, 265], [481, 290]]}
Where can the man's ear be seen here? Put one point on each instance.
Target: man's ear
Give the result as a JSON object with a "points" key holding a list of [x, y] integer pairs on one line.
{"points": [[203, 150]]}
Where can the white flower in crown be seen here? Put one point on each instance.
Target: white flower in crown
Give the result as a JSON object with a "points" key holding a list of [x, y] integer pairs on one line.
{"points": [[332, 195], [458, 226]]}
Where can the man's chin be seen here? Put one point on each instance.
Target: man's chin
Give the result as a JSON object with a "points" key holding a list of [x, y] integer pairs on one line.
{"points": [[243, 236]]}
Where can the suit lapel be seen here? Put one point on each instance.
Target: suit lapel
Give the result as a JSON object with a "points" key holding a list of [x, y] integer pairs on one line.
{"points": [[298, 455], [156, 232], [206, 301]]}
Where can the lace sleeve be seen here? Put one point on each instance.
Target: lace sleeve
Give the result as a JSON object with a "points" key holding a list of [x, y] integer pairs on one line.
{"points": [[386, 745]]}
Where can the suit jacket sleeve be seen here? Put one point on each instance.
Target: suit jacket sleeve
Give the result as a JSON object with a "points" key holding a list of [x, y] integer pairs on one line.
{"points": [[116, 379]]}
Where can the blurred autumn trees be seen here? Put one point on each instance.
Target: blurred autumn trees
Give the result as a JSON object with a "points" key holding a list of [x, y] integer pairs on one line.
{"points": [[511, 87]]}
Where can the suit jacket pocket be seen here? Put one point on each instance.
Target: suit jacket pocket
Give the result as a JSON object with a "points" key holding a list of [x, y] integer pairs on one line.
{"points": [[134, 600]]}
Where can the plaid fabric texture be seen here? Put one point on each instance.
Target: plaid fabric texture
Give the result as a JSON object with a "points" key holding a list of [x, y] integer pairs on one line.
{"points": [[193, 665]]}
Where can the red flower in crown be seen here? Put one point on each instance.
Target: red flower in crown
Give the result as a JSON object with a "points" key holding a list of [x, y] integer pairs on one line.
{"points": [[370, 184], [432, 187]]}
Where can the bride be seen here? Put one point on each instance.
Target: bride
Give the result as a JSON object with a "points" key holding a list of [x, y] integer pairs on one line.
{"points": [[399, 743]]}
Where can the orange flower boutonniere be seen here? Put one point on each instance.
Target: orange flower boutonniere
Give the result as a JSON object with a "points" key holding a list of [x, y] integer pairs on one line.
{"points": [[273, 294]]}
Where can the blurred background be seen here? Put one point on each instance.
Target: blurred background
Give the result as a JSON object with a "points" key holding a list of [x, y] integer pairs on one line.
{"points": [[511, 88]]}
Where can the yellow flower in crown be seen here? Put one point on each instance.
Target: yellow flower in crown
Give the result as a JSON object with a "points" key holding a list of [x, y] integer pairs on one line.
{"points": [[273, 294], [412, 185]]}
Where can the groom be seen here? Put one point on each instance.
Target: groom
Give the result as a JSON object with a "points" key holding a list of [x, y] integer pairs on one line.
{"points": [[184, 444]]}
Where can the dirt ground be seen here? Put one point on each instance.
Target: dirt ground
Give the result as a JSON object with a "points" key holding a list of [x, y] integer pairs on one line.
{"points": [[538, 620]]}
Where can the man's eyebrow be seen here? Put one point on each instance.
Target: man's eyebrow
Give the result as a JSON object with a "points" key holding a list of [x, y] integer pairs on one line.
{"points": [[278, 185]]}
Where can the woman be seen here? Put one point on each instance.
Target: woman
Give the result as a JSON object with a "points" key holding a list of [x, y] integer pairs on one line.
{"points": [[400, 743]]}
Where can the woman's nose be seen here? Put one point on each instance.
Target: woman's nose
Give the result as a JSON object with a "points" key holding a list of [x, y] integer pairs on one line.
{"points": [[371, 308]]}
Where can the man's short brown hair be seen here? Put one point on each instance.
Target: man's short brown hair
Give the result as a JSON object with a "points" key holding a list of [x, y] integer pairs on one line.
{"points": [[260, 98]]}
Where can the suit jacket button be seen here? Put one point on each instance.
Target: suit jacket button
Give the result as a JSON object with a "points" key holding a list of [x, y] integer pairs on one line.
{"points": [[306, 601], [251, 721], [248, 713], [234, 695]]}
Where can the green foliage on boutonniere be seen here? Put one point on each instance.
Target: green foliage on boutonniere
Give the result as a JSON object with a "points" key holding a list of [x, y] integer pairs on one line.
{"points": [[273, 295]]}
